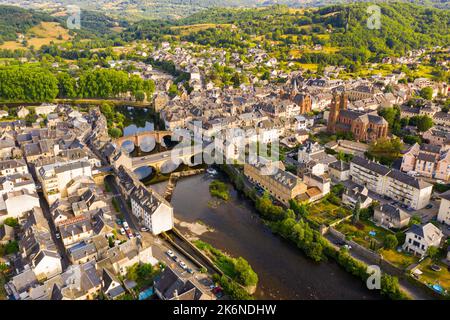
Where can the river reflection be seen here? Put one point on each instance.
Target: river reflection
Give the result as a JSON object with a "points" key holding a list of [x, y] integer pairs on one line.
{"points": [[284, 272]]}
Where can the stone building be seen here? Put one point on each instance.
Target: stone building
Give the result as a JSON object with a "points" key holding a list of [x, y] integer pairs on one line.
{"points": [[364, 126]]}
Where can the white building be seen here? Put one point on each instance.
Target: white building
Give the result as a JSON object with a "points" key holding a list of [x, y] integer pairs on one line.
{"points": [[420, 238], [17, 182], [152, 210], [45, 109], [13, 166], [393, 183], [15, 204], [56, 177], [444, 209]]}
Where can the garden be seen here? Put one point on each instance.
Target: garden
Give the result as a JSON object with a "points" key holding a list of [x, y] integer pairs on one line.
{"points": [[437, 279]]}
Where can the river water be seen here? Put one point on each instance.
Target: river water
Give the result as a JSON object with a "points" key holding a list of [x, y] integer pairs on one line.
{"points": [[284, 272]]}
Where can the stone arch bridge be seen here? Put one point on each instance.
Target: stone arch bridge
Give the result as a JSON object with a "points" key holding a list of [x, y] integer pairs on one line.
{"points": [[138, 137]]}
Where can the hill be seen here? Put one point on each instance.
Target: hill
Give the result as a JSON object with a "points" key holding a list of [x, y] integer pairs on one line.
{"points": [[21, 28], [403, 27], [135, 10], [14, 20]]}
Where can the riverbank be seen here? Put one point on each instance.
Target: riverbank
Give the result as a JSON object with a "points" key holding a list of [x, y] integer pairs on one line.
{"points": [[236, 269]]}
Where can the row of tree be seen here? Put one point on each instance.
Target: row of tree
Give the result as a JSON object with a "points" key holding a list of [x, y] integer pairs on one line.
{"points": [[34, 84]]}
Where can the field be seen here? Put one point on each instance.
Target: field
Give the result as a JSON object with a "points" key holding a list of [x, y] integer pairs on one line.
{"points": [[40, 35], [399, 259]]}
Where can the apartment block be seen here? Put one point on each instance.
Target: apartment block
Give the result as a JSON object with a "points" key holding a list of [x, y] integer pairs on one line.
{"points": [[393, 183]]}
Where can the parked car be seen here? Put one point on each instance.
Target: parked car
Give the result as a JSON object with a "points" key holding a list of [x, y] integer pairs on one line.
{"points": [[183, 265], [144, 229], [58, 235], [125, 225], [429, 206], [190, 270], [170, 253], [175, 258], [122, 231]]}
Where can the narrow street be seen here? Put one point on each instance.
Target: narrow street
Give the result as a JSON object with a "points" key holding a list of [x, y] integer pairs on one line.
{"points": [[61, 249]]}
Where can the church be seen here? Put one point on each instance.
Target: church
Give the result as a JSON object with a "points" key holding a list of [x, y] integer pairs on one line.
{"points": [[364, 126]]}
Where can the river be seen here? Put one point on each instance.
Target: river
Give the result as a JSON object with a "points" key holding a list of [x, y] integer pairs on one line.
{"points": [[284, 272]]}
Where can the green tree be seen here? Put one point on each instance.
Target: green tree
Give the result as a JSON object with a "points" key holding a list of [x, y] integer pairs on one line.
{"points": [[356, 212], [66, 86], [433, 253], [140, 95], [390, 242], [426, 93], [423, 123]]}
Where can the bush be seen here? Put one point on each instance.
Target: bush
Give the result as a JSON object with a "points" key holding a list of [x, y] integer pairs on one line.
{"points": [[219, 189], [12, 222], [232, 289], [390, 242]]}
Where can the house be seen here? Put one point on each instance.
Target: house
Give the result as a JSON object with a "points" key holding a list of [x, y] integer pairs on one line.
{"points": [[152, 210], [444, 208], [22, 112], [75, 230], [38, 250], [56, 177], [357, 194], [13, 166], [390, 217], [6, 234], [170, 286], [111, 286], [3, 114], [432, 161], [419, 238], [339, 170]]}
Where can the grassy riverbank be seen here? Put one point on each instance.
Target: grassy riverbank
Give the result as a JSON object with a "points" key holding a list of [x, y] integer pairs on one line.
{"points": [[237, 270]]}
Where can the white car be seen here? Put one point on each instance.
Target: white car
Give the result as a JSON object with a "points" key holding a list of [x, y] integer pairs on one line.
{"points": [[58, 235], [170, 253], [125, 225], [183, 265], [122, 231], [144, 229]]}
